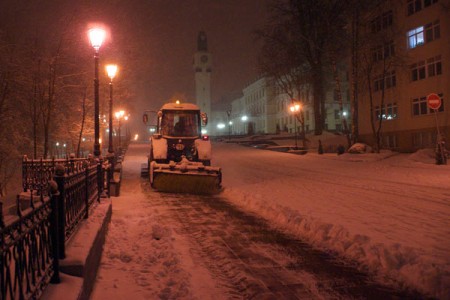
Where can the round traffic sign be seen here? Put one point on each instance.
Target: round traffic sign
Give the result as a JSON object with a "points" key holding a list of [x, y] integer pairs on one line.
{"points": [[434, 101]]}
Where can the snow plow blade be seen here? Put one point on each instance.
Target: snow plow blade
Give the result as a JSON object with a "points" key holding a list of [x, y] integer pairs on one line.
{"points": [[186, 177]]}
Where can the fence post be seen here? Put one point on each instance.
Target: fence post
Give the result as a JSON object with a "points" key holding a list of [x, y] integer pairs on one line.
{"points": [[2, 274], [2, 224], [24, 173], [60, 178], [54, 230], [86, 190], [100, 178]]}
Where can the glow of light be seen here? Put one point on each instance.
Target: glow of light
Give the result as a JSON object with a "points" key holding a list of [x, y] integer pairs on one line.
{"points": [[107, 129], [344, 113], [99, 141], [126, 118], [136, 137], [83, 139], [152, 129], [177, 102], [204, 131], [57, 144], [230, 123], [295, 107], [111, 70], [119, 114], [64, 145], [221, 126], [244, 118], [96, 36]]}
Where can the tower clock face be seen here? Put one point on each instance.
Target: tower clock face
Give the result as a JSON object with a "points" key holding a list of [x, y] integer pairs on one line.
{"points": [[204, 58]]}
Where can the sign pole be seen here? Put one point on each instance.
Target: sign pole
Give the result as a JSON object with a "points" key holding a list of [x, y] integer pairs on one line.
{"points": [[434, 102]]}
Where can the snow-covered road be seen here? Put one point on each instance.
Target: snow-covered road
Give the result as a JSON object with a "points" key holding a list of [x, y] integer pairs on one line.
{"points": [[390, 215]]}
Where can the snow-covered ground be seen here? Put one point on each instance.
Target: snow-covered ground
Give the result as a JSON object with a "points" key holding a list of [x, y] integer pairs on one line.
{"points": [[390, 213]]}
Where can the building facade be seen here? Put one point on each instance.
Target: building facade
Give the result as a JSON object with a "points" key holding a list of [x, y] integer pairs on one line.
{"points": [[412, 37], [263, 108]]}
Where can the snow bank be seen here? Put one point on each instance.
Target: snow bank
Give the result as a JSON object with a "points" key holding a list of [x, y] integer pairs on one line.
{"points": [[393, 264]]}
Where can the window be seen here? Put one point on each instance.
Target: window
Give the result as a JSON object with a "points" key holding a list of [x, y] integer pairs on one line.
{"points": [[381, 22], [337, 115], [335, 95], [390, 141], [386, 112], [383, 51], [423, 139], [420, 106], [389, 49], [384, 82], [427, 3], [416, 37], [415, 6], [434, 66], [432, 31], [420, 70]]}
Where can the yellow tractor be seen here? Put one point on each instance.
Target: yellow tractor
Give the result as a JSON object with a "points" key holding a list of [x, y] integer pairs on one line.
{"points": [[180, 156]]}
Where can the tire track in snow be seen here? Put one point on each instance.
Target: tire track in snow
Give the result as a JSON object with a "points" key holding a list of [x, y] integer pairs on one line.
{"points": [[252, 261]]}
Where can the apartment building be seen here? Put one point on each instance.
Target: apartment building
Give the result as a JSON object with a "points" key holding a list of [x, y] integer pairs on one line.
{"points": [[410, 52]]}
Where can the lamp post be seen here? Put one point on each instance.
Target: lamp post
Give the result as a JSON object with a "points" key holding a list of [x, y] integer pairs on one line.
{"points": [[229, 123], [295, 108], [244, 119], [96, 36], [111, 70]]}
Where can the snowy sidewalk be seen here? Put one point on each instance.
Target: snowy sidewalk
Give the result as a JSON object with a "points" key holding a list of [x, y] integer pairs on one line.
{"points": [[143, 257]]}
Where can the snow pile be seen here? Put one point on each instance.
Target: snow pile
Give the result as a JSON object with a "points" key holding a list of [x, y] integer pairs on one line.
{"points": [[358, 148], [427, 156]]}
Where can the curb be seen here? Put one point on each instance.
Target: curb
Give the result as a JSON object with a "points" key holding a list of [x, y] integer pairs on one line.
{"points": [[83, 254]]}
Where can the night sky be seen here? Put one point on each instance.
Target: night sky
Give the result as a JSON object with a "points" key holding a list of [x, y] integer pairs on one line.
{"points": [[153, 42], [167, 30], [229, 26]]}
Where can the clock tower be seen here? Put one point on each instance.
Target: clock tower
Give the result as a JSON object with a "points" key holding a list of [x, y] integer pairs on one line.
{"points": [[202, 68]]}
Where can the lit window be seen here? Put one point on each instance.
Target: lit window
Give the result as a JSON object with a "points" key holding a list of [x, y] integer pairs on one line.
{"points": [[416, 37], [387, 112]]}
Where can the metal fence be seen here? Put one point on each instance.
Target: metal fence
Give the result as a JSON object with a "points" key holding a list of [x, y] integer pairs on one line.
{"points": [[60, 194]]}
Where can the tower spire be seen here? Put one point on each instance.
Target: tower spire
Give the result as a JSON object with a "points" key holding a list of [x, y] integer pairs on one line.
{"points": [[202, 43]]}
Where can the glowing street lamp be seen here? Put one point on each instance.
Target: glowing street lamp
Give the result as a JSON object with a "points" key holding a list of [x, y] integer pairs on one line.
{"points": [[295, 109], [96, 36], [111, 70]]}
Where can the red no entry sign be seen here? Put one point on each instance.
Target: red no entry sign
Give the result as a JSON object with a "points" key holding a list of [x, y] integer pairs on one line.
{"points": [[434, 101]]}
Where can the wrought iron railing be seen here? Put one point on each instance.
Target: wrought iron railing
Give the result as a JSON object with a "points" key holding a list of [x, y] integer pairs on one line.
{"points": [[27, 250], [33, 240], [36, 173]]}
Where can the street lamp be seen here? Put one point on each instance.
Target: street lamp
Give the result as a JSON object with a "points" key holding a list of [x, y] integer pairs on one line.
{"points": [[295, 108], [96, 36], [111, 70], [244, 119]]}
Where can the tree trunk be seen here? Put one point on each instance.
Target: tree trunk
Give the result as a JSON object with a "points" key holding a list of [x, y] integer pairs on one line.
{"points": [[355, 57], [337, 82], [82, 122], [318, 98]]}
